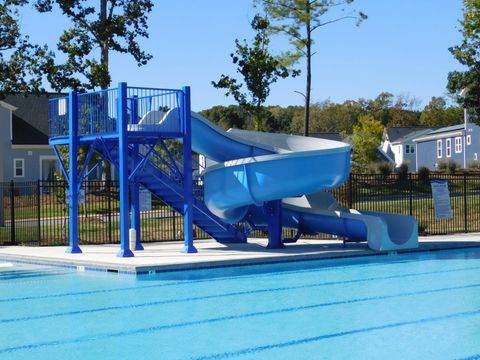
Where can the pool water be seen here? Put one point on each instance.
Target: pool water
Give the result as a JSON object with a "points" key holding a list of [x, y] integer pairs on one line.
{"points": [[416, 306]]}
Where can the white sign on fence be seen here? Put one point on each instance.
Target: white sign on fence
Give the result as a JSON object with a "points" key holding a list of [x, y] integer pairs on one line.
{"points": [[441, 199], [145, 200]]}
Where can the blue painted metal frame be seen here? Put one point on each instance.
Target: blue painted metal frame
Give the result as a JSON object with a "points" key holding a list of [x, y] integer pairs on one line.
{"points": [[99, 104], [123, 170], [273, 210], [135, 188], [187, 172], [73, 174]]}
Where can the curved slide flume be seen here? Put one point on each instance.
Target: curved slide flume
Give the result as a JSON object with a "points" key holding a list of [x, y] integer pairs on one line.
{"points": [[255, 167]]}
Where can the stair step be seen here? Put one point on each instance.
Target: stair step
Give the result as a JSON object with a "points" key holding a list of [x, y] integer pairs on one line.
{"points": [[161, 185]]}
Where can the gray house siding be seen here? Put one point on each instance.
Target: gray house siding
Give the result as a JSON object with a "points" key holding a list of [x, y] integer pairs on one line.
{"points": [[32, 162], [409, 158], [5, 142], [30, 154], [473, 149], [424, 155], [427, 149]]}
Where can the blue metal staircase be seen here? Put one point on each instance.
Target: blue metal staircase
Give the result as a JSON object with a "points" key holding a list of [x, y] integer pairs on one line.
{"points": [[169, 189]]}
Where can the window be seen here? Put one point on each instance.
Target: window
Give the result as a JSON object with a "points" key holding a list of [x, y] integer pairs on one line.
{"points": [[407, 149], [18, 167], [48, 167], [469, 139], [439, 149], [458, 144], [448, 147]]}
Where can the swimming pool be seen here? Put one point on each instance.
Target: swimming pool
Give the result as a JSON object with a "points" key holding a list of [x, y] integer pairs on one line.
{"points": [[415, 306]]}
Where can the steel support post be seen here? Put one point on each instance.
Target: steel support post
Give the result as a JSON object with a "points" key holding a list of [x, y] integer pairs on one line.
{"points": [[135, 188], [73, 247], [187, 172], [273, 210], [123, 170]]}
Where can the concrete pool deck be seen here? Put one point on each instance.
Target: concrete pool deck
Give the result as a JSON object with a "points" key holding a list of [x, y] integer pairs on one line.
{"points": [[166, 256]]}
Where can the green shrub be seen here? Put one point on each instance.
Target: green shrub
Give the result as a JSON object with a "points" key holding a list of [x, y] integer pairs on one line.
{"points": [[385, 169], [442, 166], [474, 165], [452, 167], [403, 172], [424, 175]]}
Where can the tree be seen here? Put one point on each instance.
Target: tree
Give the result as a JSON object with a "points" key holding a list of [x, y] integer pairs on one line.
{"points": [[22, 64], [437, 114], [298, 19], [468, 54], [115, 27], [227, 117], [367, 136], [259, 70]]}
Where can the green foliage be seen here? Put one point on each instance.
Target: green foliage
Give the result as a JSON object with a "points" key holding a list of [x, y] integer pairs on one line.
{"points": [[112, 25], [22, 64], [385, 169], [437, 114], [258, 68], [402, 172], [297, 20], [452, 167], [367, 136], [442, 166], [424, 175], [474, 165], [468, 55]]}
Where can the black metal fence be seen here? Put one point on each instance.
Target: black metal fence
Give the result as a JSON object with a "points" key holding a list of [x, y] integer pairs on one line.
{"points": [[36, 213], [411, 194]]}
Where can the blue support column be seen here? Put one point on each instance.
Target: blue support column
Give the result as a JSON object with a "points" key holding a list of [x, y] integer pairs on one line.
{"points": [[73, 173], [123, 170], [135, 188], [187, 172], [273, 210]]}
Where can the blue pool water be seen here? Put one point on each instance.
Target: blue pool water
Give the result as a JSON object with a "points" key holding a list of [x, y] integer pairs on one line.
{"points": [[417, 306]]}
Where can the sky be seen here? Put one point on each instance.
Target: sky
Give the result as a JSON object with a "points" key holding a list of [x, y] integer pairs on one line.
{"points": [[402, 48]]}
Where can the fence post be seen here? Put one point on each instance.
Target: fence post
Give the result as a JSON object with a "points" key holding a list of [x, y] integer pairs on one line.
{"points": [[109, 207], [172, 213], [350, 191], [410, 194], [39, 225], [12, 213], [465, 201]]}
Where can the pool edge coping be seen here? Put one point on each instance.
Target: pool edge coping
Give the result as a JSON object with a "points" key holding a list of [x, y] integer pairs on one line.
{"points": [[94, 266]]}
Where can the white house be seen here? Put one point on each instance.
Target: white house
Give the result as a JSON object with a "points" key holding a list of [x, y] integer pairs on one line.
{"points": [[398, 146]]}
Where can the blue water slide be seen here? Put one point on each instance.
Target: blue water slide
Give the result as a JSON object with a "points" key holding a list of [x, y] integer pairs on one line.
{"points": [[255, 167]]}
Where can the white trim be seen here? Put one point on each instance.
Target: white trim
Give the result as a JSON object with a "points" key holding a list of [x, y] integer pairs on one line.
{"points": [[439, 149], [458, 145], [439, 136], [448, 147], [475, 156], [7, 106], [31, 147], [15, 167], [45, 157]]}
